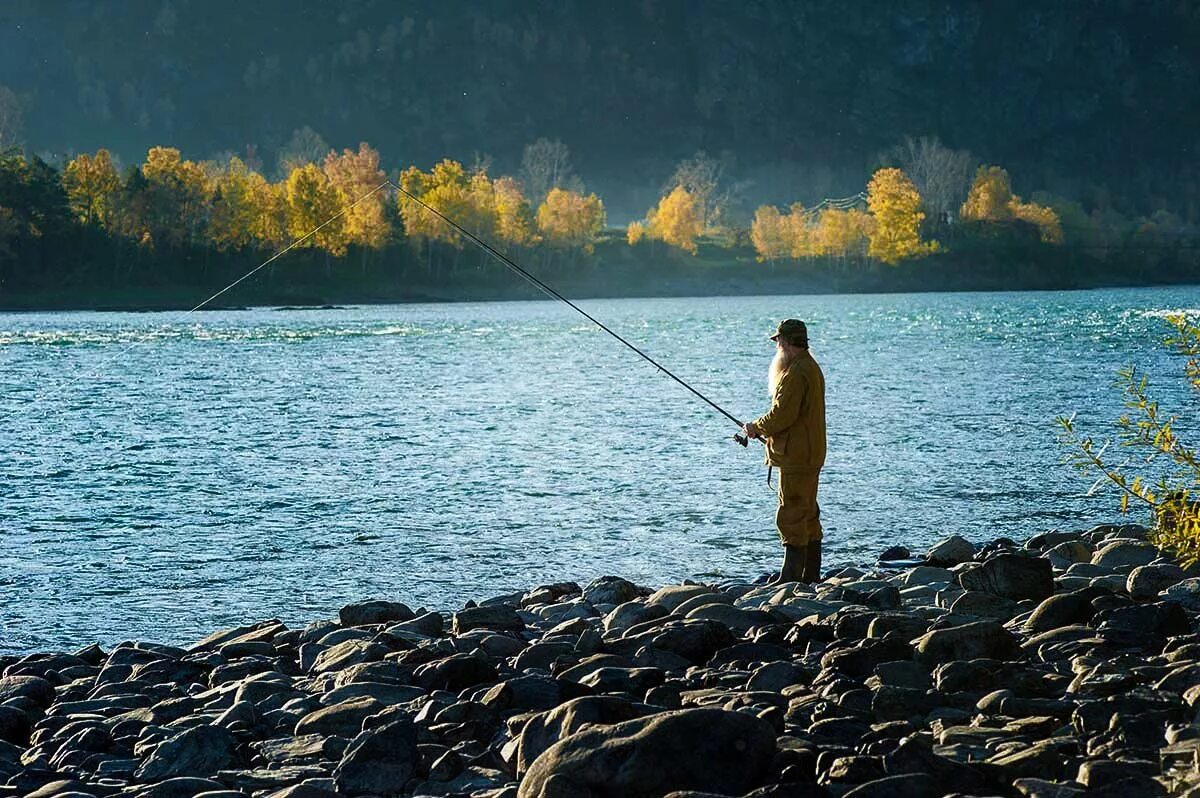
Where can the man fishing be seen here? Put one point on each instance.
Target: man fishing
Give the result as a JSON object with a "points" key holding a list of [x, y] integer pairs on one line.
{"points": [[794, 431]]}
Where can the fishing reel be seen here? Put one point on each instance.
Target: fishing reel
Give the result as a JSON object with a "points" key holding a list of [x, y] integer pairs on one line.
{"points": [[742, 439]]}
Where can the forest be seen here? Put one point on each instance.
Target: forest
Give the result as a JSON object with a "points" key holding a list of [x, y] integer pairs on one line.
{"points": [[340, 218]]}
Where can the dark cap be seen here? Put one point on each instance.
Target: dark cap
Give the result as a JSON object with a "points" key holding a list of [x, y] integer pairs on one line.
{"points": [[792, 330]]}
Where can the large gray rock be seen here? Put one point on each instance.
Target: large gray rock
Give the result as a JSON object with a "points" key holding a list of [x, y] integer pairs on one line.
{"points": [[340, 720], [1125, 554], [905, 785], [546, 728], [364, 613], [199, 752], [347, 653], [1069, 552], [951, 551], [1012, 576], [610, 590], [1185, 593], [496, 617], [984, 605], [1147, 581], [672, 596], [378, 761], [35, 688], [980, 640], [629, 614], [1064, 609], [688, 749]]}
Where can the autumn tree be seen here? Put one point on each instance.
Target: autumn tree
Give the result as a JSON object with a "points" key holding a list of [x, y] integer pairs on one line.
{"points": [[703, 177], [238, 207], [895, 206], [468, 200], [356, 175], [1043, 218], [514, 216], [801, 233], [677, 220], [635, 233], [991, 200], [569, 219], [990, 197], [314, 203], [940, 174], [92, 183], [784, 235], [842, 233], [177, 192], [769, 234]]}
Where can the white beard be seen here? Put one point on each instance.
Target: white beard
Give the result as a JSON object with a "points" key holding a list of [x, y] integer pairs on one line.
{"points": [[778, 366]]}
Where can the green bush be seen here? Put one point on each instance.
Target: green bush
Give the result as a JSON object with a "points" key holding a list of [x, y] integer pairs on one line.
{"points": [[1161, 471]]}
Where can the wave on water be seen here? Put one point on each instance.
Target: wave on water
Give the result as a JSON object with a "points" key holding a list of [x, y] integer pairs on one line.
{"points": [[93, 337], [1162, 313]]}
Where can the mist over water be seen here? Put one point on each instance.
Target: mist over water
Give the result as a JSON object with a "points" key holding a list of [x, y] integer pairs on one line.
{"points": [[188, 473]]}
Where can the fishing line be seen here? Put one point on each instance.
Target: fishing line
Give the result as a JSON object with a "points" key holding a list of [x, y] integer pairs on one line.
{"points": [[507, 261], [126, 349]]}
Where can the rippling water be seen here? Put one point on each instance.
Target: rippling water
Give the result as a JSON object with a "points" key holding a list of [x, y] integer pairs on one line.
{"points": [[184, 473]]}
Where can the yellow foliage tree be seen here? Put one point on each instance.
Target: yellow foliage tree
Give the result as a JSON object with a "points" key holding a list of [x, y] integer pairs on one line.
{"points": [[468, 200], [895, 206], [678, 220], [514, 216], [990, 197], [314, 202], [269, 224], [769, 234], [634, 233], [569, 219], [801, 235], [178, 192], [231, 225], [991, 200], [91, 183], [356, 175], [1043, 218], [842, 233]]}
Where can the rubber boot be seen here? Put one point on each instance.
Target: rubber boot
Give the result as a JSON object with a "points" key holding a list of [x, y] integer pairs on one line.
{"points": [[812, 563], [793, 565]]}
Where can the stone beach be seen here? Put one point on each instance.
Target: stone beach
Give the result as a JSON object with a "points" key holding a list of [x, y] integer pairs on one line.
{"points": [[1064, 665]]}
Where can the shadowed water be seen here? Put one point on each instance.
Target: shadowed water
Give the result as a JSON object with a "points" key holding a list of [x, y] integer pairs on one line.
{"points": [[187, 473]]}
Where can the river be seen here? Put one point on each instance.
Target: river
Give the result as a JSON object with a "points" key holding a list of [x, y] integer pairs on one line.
{"points": [[163, 475]]}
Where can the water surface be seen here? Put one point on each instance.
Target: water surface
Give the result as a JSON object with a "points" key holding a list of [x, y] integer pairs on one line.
{"points": [[186, 473]]}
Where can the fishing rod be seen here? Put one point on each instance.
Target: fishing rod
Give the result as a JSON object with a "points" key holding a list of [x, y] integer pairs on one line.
{"points": [[546, 289]]}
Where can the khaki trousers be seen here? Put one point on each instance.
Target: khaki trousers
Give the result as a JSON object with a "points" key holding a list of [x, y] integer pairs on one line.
{"points": [[799, 515]]}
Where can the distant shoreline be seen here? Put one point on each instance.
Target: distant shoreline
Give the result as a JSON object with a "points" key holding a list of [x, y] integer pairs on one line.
{"points": [[624, 281]]}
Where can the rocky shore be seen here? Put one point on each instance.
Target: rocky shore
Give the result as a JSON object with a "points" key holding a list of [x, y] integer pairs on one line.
{"points": [[1065, 665]]}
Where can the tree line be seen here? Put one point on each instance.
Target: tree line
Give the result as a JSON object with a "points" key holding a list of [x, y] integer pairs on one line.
{"points": [[334, 203]]}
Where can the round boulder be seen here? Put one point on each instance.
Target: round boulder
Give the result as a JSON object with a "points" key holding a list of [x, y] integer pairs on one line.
{"points": [[688, 749]]}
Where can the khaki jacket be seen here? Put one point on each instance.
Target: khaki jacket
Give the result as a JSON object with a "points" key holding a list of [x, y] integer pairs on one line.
{"points": [[795, 425]]}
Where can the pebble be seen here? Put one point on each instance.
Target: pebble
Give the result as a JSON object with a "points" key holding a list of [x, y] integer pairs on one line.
{"points": [[1068, 665]]}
